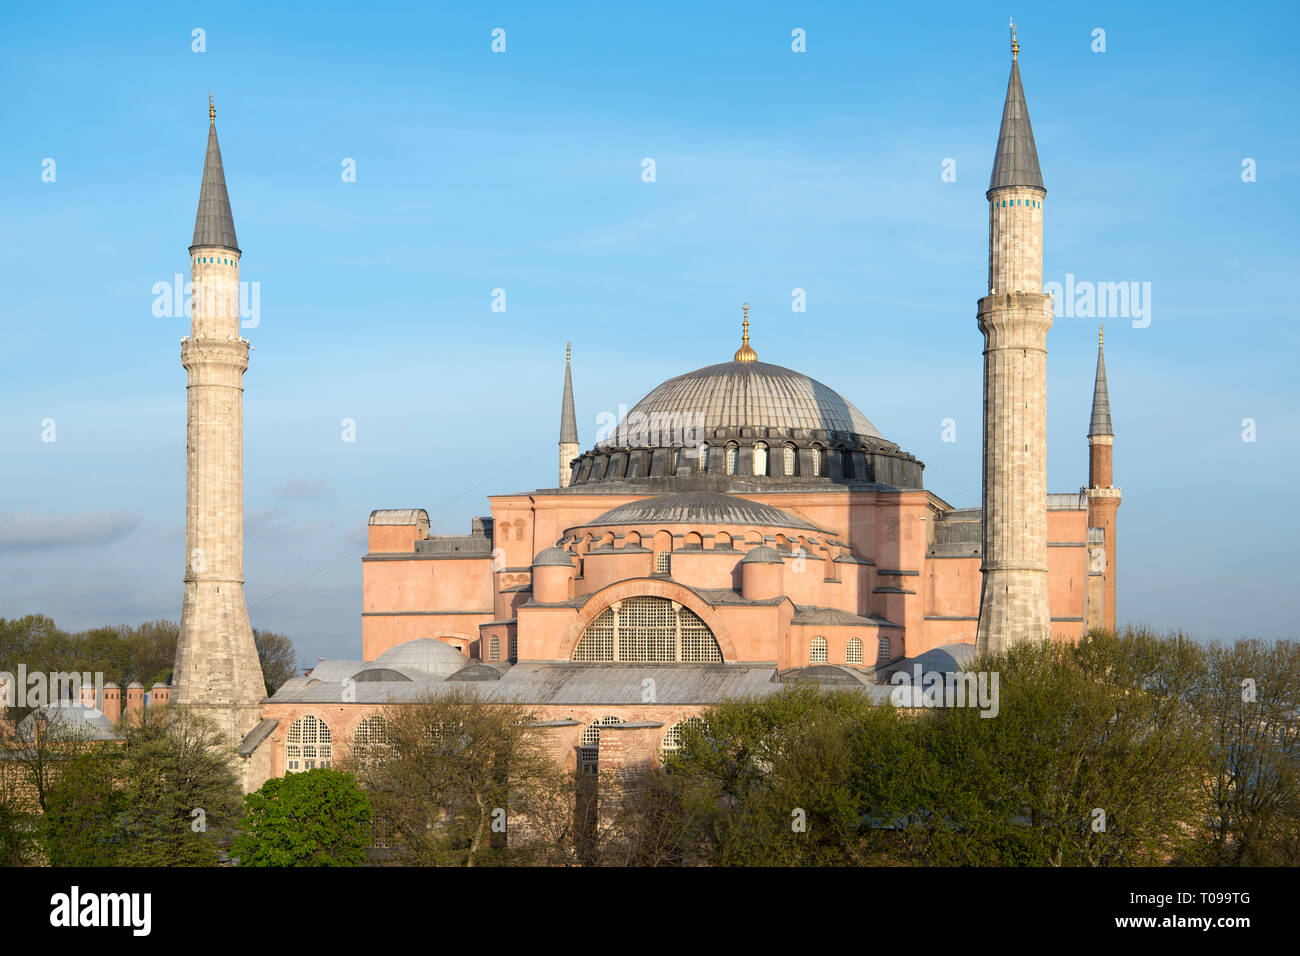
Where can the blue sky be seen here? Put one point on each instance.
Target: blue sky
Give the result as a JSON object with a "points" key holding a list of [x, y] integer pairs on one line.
{"points": [[521, 170]]}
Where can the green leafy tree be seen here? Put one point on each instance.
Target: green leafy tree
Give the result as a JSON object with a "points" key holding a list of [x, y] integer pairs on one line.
{"points": [[317, 818], [166, 795]]}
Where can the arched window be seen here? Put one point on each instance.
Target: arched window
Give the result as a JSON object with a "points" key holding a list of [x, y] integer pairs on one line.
{"points": [[817, 651], [853, 652], [672, 741], [648, 630], [663, 562], [704, 456], [733, 453], [760, 458], [846, 463], [589, 745], [815, 461], [883, 651], [307, 745], [494, 648], [675, 456], [633, 540], [788, 455], [372, 740]]}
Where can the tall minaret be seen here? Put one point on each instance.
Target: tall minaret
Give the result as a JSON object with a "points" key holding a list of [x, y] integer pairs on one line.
{"points": [[568, 422], [1103, 494], [1014, 318], [217, 670]]}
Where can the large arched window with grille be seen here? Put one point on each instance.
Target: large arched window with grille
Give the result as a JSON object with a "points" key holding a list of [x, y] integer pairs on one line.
{"points": [[703, 456], [672, 741], [760, 458], [733, 454], [372, 740], [648, 630], [494, 648], [817, 651], [307, 745], [815, 461], [788, 460]]}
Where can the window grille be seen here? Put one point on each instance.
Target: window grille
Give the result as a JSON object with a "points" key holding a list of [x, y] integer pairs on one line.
{"points": [[589, 745], [663, 562], [648, 630], [760, 459], [732, 454], [371, 740], [817, 651], [307, 745], [789, 459], [672, 741], [494, 648], [853, 653], [883, 651], [815, 462]]}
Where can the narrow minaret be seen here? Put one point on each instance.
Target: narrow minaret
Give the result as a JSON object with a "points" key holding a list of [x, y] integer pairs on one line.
{"points": [[217, 670], [1014, 318], [1103, 494], [568, 422]]}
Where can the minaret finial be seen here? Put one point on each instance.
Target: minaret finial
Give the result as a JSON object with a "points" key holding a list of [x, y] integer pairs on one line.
{"points": [[568, 352], [745, 353], [1015, 47], [1101, 334], [212, 109]]}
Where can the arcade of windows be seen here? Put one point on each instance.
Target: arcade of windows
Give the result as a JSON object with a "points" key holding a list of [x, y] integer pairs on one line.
{"points": [[647, 630], [819, 651]]}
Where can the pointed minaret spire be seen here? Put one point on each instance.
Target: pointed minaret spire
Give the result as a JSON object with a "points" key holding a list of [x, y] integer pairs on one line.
{"points": [[568, 421], [214, 226], [1016, 161], [1100, 424], [1104, 497]]}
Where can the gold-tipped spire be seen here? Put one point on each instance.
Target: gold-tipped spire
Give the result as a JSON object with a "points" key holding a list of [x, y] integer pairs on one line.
{"points": [[568, 352], [1015, 46], [745, 353], [1101, 333], [212, 110]]}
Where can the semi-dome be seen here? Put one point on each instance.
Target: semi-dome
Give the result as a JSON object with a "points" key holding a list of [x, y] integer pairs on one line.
{"points": [[426, 654], [762, 555], [755, 395], [702, 508]]}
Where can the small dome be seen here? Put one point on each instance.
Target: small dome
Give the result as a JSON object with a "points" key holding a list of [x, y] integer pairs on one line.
{"points": [[553, 558], [700, 507], [134, 684], [426, 654], [762, 555]]}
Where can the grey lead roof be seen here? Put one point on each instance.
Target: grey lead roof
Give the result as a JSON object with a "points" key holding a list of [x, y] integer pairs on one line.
{"points": [[753, 394], [568, 418], [1100, 424], [213, 223], [699, 507], [1016, 162]]}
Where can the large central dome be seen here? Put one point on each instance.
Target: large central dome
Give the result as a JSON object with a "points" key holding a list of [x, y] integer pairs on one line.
{"points": [[739, 427], [755, 395]]}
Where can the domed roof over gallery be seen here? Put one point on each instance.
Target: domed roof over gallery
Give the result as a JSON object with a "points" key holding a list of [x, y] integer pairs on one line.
{"points": [[425, 654], [702, 508]]}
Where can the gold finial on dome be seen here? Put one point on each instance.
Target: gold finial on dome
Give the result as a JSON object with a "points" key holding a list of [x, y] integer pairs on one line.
{"points": [[212, 110], [745, 353], [1015, 47]]}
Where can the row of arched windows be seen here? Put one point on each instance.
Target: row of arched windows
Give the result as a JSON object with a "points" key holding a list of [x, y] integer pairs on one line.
{"points": [[819, 651]]}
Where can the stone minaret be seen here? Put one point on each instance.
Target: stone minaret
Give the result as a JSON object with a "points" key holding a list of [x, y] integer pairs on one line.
{"points": [[568, 423], [217, 670], [1103, 495], [1014, 318]]}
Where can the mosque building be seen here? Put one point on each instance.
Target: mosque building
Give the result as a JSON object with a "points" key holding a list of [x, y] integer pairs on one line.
{"points": [[745, 527]]}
